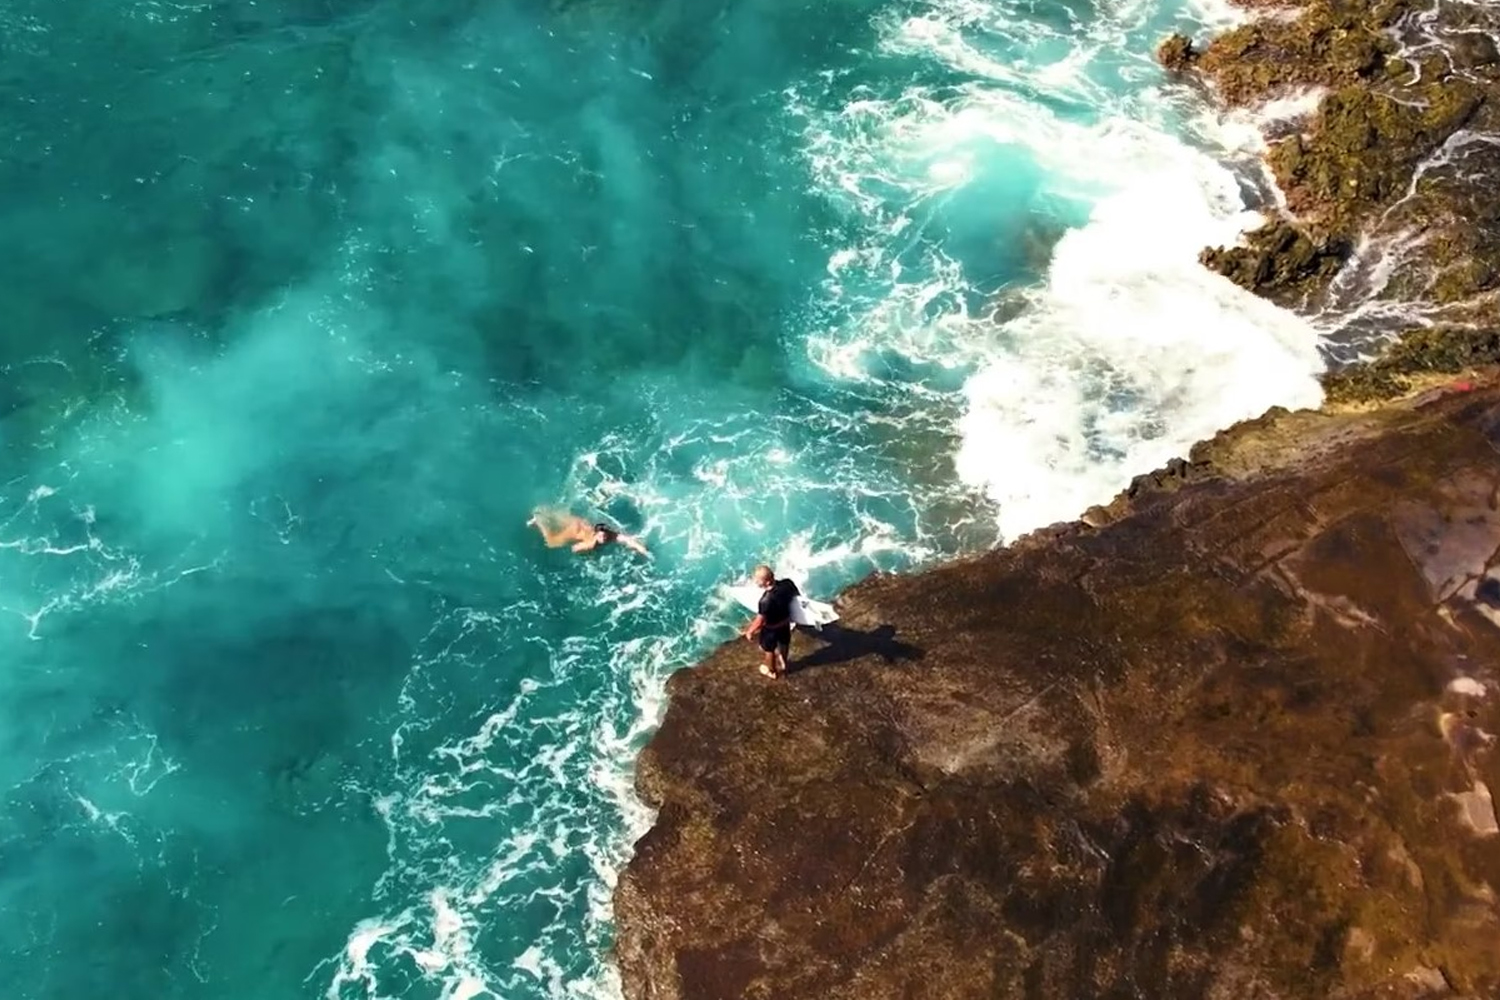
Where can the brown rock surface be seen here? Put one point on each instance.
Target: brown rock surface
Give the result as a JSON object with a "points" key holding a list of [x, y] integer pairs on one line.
{"points": [[1235, 743], [1176, 53], [1278, 261], [1330, 43]]}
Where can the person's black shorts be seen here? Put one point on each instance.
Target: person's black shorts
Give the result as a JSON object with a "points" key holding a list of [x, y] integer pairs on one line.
{"points": [[774, 639]]}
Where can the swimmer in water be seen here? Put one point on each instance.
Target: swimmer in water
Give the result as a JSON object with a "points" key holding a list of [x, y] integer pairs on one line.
{"points": [[558, 528]]}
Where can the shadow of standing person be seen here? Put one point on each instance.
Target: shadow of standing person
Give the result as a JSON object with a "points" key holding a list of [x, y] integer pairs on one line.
{"points": [[842, 644]]}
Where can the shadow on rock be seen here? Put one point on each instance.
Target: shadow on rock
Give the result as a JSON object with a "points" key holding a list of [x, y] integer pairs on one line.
{"points": [[843, 644]]}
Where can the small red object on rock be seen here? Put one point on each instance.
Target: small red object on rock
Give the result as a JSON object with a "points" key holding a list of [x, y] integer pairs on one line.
{"points": [[1463, 386]]}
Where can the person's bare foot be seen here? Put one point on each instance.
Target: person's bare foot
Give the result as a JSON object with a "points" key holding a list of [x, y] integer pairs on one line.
{"points": [[766, 671]]}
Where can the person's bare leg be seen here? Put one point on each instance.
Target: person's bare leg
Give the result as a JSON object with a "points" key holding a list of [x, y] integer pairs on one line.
{"points": [[555, 534], [768, 666]]}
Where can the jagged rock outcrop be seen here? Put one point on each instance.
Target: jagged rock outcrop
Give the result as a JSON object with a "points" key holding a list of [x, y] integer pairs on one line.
{"points": [[1177, 53], [1276, 260], [1237, 742], [1328, 43], [1402, 151]]}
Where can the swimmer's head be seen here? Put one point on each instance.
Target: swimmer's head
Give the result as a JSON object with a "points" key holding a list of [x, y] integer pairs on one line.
{"points": [[603, 534]]}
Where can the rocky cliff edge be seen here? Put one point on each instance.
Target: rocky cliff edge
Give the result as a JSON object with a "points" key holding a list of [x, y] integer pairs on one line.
{"points": [[1236, 742]]}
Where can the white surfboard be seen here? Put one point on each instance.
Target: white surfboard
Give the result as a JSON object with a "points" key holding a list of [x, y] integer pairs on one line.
{"points": [[805, 612]]}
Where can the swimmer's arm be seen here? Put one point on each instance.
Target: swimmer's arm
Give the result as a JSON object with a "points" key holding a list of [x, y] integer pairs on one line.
{"points": [[632, 542], [586, 545]]}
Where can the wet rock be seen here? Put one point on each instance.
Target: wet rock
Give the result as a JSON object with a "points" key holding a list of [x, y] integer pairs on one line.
{"points": [[1176, 53], [1362, 149], [1197, 751], [1474, 50], [1478, 810], [1278, 261], [1388, 137], [1327, 44], [1422, 352]]}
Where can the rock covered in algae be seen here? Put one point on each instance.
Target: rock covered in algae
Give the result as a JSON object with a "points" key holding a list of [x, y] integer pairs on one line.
{"points": [[1419, 353], [1363, 147], [1237, 742], [1279, 261], [1177, 53], [1304, 43], [1396, 139]]}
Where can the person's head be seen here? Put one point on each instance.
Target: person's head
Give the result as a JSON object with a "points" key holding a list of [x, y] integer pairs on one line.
{"points": [[603, 534], [763, 577]]}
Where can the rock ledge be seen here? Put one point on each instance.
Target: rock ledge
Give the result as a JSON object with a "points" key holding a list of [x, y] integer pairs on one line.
{"points": [[1237, 742]]}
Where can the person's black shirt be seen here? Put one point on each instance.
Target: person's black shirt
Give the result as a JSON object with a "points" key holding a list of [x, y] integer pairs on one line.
{"points": [[776, 604]]}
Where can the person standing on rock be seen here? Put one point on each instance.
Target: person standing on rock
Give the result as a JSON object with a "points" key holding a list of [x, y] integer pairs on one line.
{"points": [[773, 625]]}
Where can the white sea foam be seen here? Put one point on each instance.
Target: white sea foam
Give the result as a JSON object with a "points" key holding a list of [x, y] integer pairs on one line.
{"points": [[1128, 350], [1132, 350], [1466, 686]]}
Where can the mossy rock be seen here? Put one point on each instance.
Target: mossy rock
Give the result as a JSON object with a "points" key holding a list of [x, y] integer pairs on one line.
{"points": [[1436, 350], [1177, 53], [1465, 279], [1279, 261], [1363, 146], [1354, 162], [1330, 44]]}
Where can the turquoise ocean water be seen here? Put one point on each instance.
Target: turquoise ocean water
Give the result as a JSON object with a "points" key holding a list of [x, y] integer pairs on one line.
{"points": [[306, 303]]}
